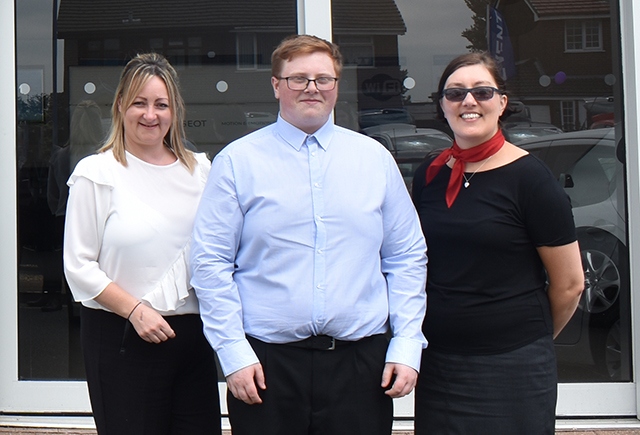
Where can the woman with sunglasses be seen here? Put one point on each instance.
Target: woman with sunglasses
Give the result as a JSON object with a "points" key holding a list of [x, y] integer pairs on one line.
{"points": [[495, 219]]}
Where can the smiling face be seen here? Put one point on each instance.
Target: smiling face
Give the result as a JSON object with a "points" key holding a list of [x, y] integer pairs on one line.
{"points": [[148, 119], [309, 109], [473, 122]]}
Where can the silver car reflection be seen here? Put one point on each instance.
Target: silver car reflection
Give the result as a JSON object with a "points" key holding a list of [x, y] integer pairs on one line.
{"points": [[589, 165], [516, 132]]}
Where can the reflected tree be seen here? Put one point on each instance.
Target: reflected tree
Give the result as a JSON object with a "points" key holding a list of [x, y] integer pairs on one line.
{"points": [[31, 107], [477, 33], [406, 99]]}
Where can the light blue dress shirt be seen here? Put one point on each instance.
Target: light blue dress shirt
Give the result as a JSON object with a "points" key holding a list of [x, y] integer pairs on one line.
{"points": [[299, 235]]}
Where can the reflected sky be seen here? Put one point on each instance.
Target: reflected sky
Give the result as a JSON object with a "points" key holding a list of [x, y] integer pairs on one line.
{"points": [[433, 38], [33, 42]]}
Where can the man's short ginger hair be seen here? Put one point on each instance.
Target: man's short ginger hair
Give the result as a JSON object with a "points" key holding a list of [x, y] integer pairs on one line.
{"points": [[296, 45]]}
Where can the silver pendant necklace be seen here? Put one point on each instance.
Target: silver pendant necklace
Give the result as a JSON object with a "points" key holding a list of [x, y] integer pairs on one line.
{"points": [[467, 180]]}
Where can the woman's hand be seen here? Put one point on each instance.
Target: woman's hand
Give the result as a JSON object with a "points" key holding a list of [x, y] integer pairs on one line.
{"points": [[150, 325], [147, 322]]}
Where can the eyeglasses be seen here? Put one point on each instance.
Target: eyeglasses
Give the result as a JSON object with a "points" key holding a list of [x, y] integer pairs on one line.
{"points": [[481, 93], [299, 83]]}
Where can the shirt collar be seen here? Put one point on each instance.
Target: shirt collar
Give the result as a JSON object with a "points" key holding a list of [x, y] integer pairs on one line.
{"points": [[296, 137]]}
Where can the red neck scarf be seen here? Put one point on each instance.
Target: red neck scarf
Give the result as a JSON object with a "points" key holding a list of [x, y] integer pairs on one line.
{"points": [[474, 154]]}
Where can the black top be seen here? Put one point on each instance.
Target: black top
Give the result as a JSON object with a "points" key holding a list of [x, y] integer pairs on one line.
{"points": [[485, 281]]}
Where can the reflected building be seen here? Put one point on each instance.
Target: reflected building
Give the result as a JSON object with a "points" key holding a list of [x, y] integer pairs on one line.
{"points": [[222, 51], [564, 50]]}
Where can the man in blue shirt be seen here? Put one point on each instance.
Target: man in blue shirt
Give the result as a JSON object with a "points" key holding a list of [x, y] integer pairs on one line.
{"points": [[307, 256]]}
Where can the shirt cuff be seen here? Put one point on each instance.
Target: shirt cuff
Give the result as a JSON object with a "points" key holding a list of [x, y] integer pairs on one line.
{"points": [[405, 351], [236, 356]]}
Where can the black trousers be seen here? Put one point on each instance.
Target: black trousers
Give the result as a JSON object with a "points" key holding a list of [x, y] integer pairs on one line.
{"points": [[318, 392], [140, 388]]}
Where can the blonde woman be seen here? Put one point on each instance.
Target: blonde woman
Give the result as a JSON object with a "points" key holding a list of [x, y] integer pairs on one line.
{"points": [[129, 218]]}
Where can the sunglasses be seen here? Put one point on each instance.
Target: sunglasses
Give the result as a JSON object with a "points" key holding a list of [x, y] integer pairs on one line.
{"points": [[481, 93]]}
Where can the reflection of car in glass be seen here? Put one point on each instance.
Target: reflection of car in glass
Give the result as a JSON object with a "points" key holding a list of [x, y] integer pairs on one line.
{"points": [[516, 132], [602, 120], [599, 112], [371, 117], [408, 145], [587, 165]]}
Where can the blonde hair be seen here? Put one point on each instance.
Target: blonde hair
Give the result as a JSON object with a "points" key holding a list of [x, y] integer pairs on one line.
{"points": [[134, 77]]}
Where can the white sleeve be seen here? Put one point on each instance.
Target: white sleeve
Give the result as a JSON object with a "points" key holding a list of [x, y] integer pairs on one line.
{"points": [[87, 212]]}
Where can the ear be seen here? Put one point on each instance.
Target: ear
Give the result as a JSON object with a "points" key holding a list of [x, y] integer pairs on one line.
{"points": [[504, 101], [440, 102], [275, 83]]}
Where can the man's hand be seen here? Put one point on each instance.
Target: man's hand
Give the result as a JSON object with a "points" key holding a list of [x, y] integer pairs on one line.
{"points": [[405, 379], [243, 383]]}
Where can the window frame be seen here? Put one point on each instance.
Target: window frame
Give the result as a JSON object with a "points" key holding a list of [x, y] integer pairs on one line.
{"points": [[581, 29]]}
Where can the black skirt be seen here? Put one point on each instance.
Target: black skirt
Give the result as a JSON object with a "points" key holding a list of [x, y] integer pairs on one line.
{"points": [[509, 393]]}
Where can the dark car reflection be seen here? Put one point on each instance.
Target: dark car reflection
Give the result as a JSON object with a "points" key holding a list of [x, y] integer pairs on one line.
{"points": [[408, 144], [373, 117], [595, 345]]}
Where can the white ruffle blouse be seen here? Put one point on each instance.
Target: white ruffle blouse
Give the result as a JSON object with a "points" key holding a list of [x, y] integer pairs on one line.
{"points": [[132, 225]]}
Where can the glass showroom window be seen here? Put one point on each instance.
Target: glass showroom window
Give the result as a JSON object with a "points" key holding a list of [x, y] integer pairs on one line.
{"points": [[561, 76], [225, 78], [395, 51]]}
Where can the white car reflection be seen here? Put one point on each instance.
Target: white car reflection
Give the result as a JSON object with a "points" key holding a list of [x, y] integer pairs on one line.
{"points": [[516, 132], [589, 166]]}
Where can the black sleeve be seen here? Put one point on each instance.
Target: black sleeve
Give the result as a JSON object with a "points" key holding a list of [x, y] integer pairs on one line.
{"points": [[548, 214]]}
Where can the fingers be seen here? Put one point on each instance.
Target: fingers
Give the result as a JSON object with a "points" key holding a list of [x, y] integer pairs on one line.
{"points": [[387, 375], [150, 325], [158, 336], [404, 382], [244, 384], [259, 377]]}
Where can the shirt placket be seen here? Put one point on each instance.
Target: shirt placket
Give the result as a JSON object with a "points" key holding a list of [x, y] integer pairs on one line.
{"points": [[320, 241]]}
